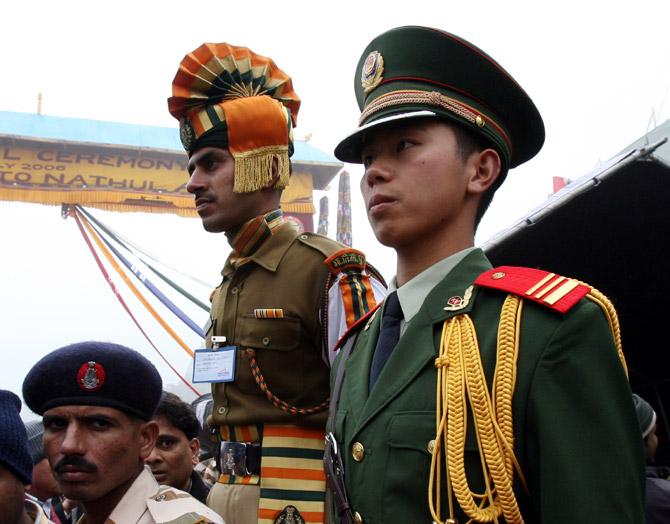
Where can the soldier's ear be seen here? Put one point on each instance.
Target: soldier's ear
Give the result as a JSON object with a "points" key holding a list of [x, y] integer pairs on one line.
{"points": [[194, 446], [275, 173], [483, 170], [148, 433]]}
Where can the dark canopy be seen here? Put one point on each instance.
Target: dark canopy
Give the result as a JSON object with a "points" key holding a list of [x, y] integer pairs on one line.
{"points": [[611, 229]]}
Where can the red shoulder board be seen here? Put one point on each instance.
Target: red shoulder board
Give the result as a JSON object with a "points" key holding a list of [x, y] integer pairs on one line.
{"points": [[356, 326], [346, 259], [549, 289]]}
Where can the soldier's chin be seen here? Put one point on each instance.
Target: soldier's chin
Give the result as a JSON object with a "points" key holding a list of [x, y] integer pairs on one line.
{"points": [[385, 236], [212, 226], [78, 492]]}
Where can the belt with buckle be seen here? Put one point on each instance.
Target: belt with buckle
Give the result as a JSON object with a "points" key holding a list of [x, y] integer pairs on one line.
{"points": [[239, 458]]}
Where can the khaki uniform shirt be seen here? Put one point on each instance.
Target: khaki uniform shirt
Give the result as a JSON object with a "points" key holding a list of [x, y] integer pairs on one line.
{"points": [[146, 502], [286, 273]]}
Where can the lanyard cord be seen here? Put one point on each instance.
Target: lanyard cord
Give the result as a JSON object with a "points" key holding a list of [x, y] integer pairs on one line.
{"points": [[461, 382]]}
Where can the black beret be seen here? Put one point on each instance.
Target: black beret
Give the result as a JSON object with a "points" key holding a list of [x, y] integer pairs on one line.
{"points": [[419, 71], [94, 374]]}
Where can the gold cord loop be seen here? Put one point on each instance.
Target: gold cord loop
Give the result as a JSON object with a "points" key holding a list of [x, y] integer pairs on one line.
{"points": [[461, 384], [606, 305]]}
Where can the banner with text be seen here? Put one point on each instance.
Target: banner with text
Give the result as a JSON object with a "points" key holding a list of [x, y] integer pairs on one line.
{"points": [[113, 179]]}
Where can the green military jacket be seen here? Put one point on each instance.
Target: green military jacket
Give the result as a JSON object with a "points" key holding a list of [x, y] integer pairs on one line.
{"points": [[576, 434]]}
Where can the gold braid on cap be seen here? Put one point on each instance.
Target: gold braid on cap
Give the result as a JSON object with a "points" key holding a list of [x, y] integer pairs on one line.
{"points": [[433, 98]]}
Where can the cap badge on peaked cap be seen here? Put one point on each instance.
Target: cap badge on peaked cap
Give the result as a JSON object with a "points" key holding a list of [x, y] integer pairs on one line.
{"points": [[91, 376], [372, 71], [427, 72]]}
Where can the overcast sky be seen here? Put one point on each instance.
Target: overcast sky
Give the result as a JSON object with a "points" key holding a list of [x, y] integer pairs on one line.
{"points": [[599, 73]]}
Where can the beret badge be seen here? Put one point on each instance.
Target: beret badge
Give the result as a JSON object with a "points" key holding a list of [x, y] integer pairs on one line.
{"points": [[371, 74], [91, 376]]}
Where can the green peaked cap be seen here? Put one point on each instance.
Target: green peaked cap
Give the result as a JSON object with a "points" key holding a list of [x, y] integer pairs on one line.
{"points": [[418, 71]]}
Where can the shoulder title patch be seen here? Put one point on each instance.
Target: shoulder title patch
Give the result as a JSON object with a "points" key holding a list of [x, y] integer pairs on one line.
{"points": [[549, 289], [345, 260]]}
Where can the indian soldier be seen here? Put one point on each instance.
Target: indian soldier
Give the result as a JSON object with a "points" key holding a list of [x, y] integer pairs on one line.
{"points": [[96, 400], [285, 294]]}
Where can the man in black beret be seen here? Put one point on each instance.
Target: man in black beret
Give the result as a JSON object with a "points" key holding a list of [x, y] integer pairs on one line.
{"points": [[43, 486], [475, 394], [96, 400]]}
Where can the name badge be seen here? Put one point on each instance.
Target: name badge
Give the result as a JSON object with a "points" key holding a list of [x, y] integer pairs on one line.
{"points": [[211, 365]]}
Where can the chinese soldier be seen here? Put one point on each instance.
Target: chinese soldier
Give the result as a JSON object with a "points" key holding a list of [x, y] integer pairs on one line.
{"points": [[474, 394]]}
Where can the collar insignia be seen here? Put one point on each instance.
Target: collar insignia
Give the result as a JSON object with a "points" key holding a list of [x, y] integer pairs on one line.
{"points": [[457, 303]]}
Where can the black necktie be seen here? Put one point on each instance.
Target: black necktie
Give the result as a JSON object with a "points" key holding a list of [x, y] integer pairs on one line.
{"points": [[388, 336]]}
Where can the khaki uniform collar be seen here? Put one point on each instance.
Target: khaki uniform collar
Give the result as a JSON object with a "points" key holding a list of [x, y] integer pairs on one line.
{"points": [[133, 504], [271, 252]]}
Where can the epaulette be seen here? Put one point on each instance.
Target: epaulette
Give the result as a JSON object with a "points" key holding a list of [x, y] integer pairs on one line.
{"points": [[356, 326], [549, 289], [173, 505], [324, 245]]}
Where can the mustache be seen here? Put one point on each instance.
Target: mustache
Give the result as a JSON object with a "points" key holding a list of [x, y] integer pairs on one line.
{"points": [[77, 462], [208, 195]]}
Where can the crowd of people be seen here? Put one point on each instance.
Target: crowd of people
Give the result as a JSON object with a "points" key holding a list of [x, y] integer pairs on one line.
{"points": [[460, 393]]}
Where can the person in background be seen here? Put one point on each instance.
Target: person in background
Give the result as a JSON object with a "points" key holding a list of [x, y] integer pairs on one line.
{"points": [[177, 447], [657, 493], [16, 506], [285, 296], [206, 467], [96, 400], [43, 485]]}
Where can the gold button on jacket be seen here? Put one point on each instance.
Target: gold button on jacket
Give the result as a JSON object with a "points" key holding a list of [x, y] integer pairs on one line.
{"points": [[357, 451]]}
